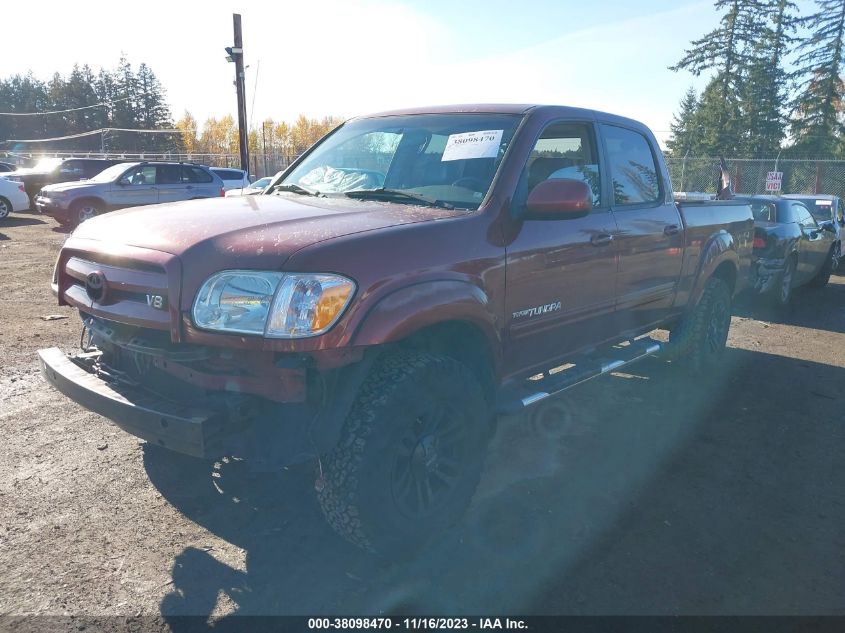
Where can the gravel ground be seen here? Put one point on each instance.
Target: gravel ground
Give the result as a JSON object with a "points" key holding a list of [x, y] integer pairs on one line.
{"points": [[639, 493]]}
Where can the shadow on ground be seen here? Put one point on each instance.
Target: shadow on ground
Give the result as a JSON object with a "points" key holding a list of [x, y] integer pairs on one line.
{"points": [[14, 220], [643, 492], [816, 308]]}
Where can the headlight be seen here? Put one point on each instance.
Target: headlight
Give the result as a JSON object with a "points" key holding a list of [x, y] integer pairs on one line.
{"points": [[55, 195], [277, 305]]}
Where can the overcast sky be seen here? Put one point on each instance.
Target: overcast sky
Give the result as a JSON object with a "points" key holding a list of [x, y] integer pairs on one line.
{"points": [[342, 57]]}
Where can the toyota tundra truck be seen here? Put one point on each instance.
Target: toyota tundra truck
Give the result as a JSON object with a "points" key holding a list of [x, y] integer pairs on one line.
{"points": [[412, 276]]}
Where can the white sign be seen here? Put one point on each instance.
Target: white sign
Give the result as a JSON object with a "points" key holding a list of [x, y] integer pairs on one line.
{"points": [[472, 145], [774, 180]]}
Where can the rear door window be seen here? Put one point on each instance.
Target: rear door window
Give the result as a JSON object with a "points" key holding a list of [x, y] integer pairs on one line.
{"points": [[195, 174], [169, 174], [633, 169]]}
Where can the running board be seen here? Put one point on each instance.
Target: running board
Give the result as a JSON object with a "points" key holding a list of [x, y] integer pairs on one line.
{"points": [[533, 391]]}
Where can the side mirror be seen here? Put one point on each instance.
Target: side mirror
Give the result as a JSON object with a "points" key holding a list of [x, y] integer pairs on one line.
{"points": [[828, 226], [123, 182], [559, 199]]}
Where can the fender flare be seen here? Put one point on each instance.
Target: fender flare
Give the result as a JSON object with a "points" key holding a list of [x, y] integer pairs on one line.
{"points": [[721, 247], [98, 200], [412, 308]]}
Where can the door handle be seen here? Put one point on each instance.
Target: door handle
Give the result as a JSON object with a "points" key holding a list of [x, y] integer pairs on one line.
{"points": [[189, 187], [601, 239], [671, 229]]}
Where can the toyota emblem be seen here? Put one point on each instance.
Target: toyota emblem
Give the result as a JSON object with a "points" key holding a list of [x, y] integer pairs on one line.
{"points": [[95, 285]]}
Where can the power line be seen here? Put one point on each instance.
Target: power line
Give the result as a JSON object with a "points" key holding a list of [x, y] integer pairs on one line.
{"points": [[100, 131], [96, 105]]}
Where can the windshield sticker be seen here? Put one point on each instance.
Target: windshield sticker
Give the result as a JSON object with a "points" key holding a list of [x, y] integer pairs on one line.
{"points": [[472, 145], [824, 203]]}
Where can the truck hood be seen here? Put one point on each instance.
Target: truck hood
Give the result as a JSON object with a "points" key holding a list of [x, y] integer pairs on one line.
{"points": [[249, 231]]}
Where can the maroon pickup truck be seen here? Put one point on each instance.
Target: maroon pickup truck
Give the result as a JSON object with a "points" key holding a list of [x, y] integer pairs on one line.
{"points": [[410, 277]]}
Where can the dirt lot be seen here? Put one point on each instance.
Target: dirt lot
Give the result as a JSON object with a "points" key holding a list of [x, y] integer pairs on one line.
{"points": [[639, 493]]}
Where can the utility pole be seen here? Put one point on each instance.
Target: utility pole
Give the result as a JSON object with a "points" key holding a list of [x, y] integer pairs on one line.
{"points": [[236, 55], [264, 144]]}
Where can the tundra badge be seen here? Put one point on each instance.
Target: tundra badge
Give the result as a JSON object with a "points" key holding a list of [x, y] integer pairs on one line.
{"points": [[549, 307]]}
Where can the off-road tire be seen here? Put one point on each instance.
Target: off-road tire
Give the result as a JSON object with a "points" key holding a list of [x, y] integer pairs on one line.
{"points": [[358, 487], [823, 276], [698, 341]]}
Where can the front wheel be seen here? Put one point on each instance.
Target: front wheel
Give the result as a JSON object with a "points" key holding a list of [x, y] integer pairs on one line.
{"points": [[83, 211], [700, 339], [410, 454]]}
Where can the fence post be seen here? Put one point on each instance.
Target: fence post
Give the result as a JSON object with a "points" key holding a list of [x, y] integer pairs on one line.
{"points": [[819, 175], [737, 183], [683, 171]]}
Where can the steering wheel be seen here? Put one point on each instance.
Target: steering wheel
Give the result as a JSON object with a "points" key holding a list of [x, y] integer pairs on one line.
{"points": [[469, 182]]}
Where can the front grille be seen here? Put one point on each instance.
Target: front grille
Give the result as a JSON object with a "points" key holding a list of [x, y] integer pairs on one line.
{"points": [[130, 291]]}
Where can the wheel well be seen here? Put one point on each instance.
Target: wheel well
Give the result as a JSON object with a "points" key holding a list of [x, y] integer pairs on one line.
{"points": [[75, 204], [726, 271], [465, 343]]}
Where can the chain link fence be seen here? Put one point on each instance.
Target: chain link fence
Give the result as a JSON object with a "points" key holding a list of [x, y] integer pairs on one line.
{"points": [[688, 174], [748, 176], [261, 164]]}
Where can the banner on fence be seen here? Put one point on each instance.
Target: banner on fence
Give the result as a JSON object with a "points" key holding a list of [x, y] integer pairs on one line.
{"points": [[774, 180]]}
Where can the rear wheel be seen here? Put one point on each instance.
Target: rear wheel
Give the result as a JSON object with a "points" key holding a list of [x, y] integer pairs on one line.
{"points": [[5, 208], [782, 293], [700, 339], [410, 455]]}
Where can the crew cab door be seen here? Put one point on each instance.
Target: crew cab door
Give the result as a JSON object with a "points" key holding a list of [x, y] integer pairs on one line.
{"points": [[650, 232], [561, 274]]}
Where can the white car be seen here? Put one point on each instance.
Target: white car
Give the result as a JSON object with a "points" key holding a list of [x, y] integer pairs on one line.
{"points": [[257, 187], [12, 197], [232, 178]]}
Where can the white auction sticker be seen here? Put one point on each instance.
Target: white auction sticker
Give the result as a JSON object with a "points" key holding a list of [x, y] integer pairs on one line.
{"points": [[473, 145]]}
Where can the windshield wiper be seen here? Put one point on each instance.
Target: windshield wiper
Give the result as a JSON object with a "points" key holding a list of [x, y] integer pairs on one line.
{"points": [[383, 193], [305, 191]]}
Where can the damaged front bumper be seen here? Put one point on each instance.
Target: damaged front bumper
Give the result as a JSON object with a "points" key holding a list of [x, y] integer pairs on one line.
{"points": [[190, 430], [268, 434]]}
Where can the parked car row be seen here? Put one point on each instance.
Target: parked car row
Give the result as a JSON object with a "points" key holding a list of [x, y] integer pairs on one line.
{"points": [[128, 185], [46, 178]]}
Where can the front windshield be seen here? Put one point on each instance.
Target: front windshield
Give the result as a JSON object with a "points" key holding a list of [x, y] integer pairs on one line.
{"points": [[447, 158], [111, 173]]}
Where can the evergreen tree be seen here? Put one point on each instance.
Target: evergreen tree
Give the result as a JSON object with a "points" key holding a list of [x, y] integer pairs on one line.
{"points": [[765, 86], [817, 126], [726, 50], [684, 127]]}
